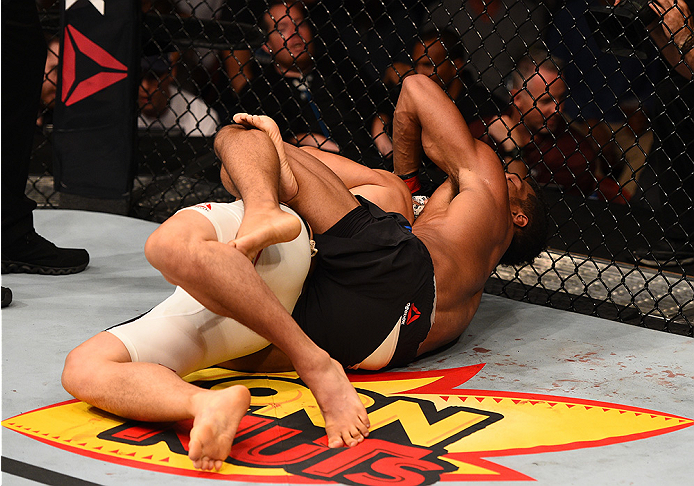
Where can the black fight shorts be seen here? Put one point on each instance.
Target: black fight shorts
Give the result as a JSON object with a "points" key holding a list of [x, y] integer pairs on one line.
{"points": [[371, 273]]}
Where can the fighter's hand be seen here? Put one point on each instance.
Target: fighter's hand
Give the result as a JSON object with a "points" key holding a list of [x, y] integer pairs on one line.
{"points": [[677, 23]]}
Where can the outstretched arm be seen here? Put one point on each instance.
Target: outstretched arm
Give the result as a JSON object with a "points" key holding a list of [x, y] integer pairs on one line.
{"points": [[427, 120]]}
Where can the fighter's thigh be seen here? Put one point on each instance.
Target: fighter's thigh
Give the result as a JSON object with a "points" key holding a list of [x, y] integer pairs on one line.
{"points": [[188, 340], [381, 187], [389, 193], [349, 172], [323, 199]]}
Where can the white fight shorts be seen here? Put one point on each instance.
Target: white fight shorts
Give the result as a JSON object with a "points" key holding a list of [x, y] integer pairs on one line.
{"points": [[184, 336]]}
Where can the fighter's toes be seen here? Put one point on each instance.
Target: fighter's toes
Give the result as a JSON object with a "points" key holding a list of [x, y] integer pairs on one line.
{"points": [[338, 441], [364, 424], [257, 121], [207, 464], [349, 437], [242, 118]]}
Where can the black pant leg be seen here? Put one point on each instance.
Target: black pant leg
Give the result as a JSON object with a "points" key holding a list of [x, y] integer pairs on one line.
{"points": [[23, 62]]}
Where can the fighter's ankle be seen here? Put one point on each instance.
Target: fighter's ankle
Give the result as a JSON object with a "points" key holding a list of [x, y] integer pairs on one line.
{"points": [[314, 363], [198, 402]]}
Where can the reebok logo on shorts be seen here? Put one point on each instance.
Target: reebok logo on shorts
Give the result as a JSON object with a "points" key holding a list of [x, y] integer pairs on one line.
{"points": [[205, 206], [410, 315]]}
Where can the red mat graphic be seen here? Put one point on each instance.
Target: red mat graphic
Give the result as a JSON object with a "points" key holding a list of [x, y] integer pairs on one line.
{"points": [[424, 430]]}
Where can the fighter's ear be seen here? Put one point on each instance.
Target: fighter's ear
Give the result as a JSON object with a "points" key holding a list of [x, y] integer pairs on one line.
{"points": [[519, 218]]}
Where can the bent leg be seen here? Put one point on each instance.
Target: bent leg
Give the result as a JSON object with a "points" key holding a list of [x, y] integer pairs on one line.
{"points": [[252, 163], [219, 276], [100, 372], [321, 181], [318, 195], [383, 188]]}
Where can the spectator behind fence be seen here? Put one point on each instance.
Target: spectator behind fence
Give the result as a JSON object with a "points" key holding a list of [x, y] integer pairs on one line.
{"points": [[496, 33], [673, 155], [533, 135], [441, 56], [611, 96], [166, 107], [23, 62], [196, 66], [315, 99]]}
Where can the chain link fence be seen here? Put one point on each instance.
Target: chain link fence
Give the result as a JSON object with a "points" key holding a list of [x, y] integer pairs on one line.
{"points": [[584, 98]]}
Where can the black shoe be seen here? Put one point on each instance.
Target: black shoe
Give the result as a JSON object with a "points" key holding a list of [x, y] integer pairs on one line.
{"points": [[665, 254], [6, 297], [35, 254]]}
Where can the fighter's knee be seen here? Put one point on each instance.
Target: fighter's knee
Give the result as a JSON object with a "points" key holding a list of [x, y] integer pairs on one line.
{"points": [[179, 260], [88, 364], [158, 252], [166, 248], [226, 134], [233, 134], [156, 249], [233, 145], [166, 255], [75, 372]]}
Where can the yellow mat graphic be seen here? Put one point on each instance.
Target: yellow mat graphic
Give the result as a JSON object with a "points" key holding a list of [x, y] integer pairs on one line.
{"points": [[424, 430]]}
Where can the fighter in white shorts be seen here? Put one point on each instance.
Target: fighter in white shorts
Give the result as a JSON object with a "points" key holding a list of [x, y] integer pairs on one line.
{"points": [[184, 336]]}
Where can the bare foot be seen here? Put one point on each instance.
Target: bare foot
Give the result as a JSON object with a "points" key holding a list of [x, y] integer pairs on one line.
{"points": [[217, 416], [288, 184], [264, 227], [346, 420]]}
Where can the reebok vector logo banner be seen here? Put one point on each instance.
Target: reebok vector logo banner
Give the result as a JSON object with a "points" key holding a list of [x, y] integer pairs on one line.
{"points": [[87, 67]]}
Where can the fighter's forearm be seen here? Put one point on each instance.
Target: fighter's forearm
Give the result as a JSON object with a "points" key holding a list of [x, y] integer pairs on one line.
{"points": [[407, 136], [379, 133], [426, 120]]}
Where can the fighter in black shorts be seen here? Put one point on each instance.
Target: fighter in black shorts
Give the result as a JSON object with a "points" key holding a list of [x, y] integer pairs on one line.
{"points": [[370, 299]]}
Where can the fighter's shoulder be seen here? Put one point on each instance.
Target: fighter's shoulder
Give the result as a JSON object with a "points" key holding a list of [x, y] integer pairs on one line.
{"points": [[478, 190]]}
